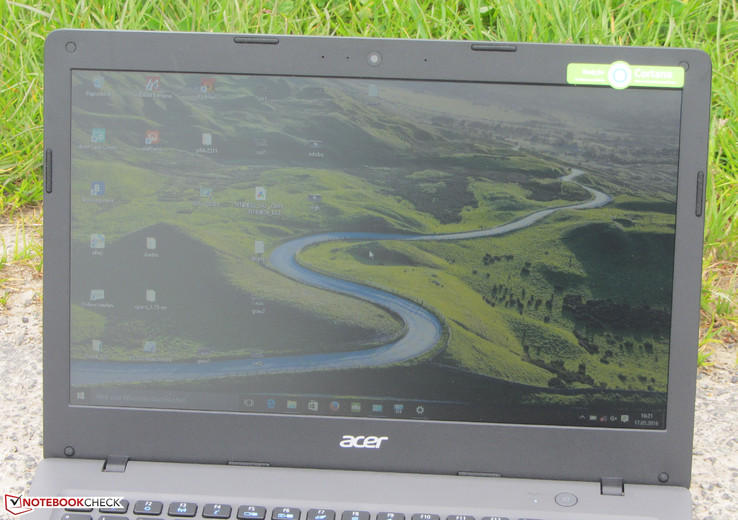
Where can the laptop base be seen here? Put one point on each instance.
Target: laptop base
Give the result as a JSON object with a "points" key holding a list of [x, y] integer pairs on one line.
{"points": [[417, 497]]}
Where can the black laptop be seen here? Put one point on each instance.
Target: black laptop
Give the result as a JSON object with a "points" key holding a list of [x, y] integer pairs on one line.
{"points": [[314, 278]]}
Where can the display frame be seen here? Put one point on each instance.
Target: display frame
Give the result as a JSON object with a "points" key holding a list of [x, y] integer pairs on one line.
{"points": [[553, 452]]}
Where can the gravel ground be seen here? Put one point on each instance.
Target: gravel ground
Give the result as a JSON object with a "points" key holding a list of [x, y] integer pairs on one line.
{"points": [[715, 461]]}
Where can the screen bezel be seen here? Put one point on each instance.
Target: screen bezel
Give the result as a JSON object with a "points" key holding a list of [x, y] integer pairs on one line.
{"points": [[553, 452]]}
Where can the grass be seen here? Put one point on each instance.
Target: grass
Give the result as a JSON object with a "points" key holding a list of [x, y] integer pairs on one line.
{"points": [[21, 251], [26, 249], [710, 25]]}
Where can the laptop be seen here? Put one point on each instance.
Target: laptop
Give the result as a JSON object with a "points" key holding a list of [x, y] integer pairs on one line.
{"points": [[316, 278]]}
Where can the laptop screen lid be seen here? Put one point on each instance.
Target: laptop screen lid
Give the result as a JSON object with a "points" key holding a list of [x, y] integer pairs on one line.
{"points": [[373, 254]]}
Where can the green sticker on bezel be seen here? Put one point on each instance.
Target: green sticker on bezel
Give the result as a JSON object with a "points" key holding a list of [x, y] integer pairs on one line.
{"points": [[620, 75]]}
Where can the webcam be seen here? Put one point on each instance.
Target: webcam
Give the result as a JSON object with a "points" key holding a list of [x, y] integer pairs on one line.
{"points": [[374, 58]]}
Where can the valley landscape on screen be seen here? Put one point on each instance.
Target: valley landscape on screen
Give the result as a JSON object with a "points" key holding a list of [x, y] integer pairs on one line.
{"points": [[373, 248]]}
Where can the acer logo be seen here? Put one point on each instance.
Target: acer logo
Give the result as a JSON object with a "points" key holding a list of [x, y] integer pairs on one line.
{"points": [[361, 441]]}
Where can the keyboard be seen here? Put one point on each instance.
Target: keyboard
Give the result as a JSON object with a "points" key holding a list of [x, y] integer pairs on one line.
{"points": [[157, 510], [167, 491]]}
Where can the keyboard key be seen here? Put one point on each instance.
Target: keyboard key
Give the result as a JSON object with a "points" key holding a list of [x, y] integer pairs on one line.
{"points": [[148, 507], [495, 518], [426, 516], [216, 511], [78, 509], [355, 515], [108, 517], [391, 516], [123, 509], [182, 509], [459, 517], [76, 516], [251, 513], [321, 514], [286, 513]]}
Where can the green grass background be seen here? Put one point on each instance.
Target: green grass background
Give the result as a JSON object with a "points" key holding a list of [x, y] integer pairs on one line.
{"points": [[708, 25]]}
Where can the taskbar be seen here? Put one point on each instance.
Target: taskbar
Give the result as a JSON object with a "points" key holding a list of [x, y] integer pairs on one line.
{"points": [[640, 418]]}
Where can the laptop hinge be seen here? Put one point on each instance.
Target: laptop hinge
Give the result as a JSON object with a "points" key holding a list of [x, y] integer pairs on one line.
{"points": [[115, 464], [612, 486]]}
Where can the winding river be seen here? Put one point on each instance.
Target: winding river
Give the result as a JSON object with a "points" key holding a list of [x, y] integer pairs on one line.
{"points": [[423, 328]]}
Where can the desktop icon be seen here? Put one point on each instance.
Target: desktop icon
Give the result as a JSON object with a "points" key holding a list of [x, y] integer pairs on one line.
{"points": [[152, 137], [97, 241], [153, 83], [377, 408], [334, 406], [150, 243], [207, 85], [207, 139], [399, 408], [271, 404], [150, 295], [97, 295], [260, 193], [149, 346], [291, 405], [96, 345], [313, 405], [97, 135], [97, 189], [98, 82], [259, 247], [355, 407]]}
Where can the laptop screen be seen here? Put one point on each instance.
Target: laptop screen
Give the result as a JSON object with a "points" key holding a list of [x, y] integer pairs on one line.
{"points": [[416, 250]]}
